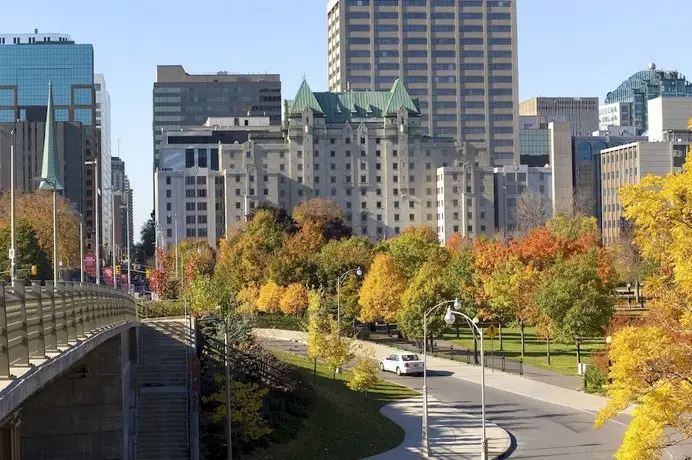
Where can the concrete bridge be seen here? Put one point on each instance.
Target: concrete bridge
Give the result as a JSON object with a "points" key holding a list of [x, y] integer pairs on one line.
{"points": [[70, 384]]}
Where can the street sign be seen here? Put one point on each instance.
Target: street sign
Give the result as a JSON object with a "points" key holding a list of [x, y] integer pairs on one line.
{"points": [[491, 331]]}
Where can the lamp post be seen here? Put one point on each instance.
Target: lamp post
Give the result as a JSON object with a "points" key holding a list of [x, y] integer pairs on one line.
{"points": [[449, 319], [95, 163], [13, 216], [174, 218], [341, 279], [129, 261], [81, 248], [457, 306]]}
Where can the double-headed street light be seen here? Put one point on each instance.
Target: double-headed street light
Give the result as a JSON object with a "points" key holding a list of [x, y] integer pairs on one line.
{"points": [[341, 279], [473, 323], [457, 306]]}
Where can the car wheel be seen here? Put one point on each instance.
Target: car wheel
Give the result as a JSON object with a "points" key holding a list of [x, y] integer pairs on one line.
{"points": [[382, 367], [398, 371]]}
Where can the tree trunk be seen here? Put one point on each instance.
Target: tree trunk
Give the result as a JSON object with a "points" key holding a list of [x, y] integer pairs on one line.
{"points": [[314, 372], [500, 330], [547, 348], [521, 335]]}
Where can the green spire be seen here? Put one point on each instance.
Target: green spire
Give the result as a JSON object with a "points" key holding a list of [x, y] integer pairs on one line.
{"points": [[50, 170], [399, 97], [305, 98]]}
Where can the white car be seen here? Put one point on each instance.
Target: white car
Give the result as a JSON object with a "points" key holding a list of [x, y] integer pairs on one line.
{"points": [[402, 363]]}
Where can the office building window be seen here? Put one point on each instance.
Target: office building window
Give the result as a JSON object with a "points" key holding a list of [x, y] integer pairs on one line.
{"points": [[189, 158]]}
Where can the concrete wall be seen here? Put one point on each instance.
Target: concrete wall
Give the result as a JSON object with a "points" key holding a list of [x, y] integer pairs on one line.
{"points": [[561, 163], [668, 113], [88, 412]]}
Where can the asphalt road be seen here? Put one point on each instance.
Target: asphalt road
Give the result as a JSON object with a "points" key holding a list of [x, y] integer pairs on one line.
{"points": [[540, 430]]}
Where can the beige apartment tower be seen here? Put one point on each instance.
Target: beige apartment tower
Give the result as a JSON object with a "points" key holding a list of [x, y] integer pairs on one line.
{"points": [[582, 113], [458, 57]]}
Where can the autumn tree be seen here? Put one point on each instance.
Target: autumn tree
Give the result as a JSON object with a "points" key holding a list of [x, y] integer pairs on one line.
{"points": [[325, 214], [650, 363], [380, 294], [246, 299], [197, 258], [295, 261], [533, 210], [294, 299], [163, 280], [28, 253], [365, 374], [206, 294], [338, 256], [37, 209], [269, 299], [349, 298], [279, 215], [247, 404]]}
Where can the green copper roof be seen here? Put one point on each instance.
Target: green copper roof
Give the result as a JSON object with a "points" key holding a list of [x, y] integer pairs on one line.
{"points": [[305, 98], [342, 107], [50, 170]]}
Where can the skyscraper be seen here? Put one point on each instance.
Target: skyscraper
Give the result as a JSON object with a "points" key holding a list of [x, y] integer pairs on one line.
{"points": [[457, 56], [27, 63], [181, 99], [103, 123], [580, 112]]}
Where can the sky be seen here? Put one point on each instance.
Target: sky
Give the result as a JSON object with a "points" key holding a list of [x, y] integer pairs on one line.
{"points": [[566, 48]]}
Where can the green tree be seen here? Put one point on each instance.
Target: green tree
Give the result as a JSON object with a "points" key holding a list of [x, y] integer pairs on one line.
{"points": [[207, 293], [349, 298], [28, 252], [365, 374], [412, 248], [428, 288], [578, 302], [147, 237], [338, 256]]}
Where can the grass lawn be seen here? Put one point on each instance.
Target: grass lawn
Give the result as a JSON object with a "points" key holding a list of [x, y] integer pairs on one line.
{"points": [[563, 357], [341, 424]]}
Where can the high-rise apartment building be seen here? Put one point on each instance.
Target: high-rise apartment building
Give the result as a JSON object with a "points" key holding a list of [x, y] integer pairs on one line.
{"points": [[458, 57], [181, 99], [122, 197], [580, 112], [103, 124], [28, 62], [648, 84], [364, 150]]}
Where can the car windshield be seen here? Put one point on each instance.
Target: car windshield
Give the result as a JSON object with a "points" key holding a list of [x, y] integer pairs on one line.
{"points": [[409, 357]]}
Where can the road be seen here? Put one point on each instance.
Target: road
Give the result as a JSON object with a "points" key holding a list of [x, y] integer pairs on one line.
{"points": [[539, 429]]}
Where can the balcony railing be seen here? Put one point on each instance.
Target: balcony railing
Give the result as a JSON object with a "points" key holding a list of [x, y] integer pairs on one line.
{"points": [[39, 320]]}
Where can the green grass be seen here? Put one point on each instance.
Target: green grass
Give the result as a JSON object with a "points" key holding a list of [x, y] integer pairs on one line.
{"points": [[563, 357], [342, 424]]}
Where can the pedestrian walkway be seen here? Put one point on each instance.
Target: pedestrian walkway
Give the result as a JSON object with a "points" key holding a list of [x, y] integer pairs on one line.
{"points": [[453, 434], [493, 378]]}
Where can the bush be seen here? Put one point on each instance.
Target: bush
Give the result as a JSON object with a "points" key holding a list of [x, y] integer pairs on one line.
{"points": [[160, 308], [595, 379], [278, 321]]}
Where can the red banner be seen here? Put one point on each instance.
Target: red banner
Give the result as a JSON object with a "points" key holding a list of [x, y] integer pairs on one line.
{"points": [[108, 276], [90, 264]]}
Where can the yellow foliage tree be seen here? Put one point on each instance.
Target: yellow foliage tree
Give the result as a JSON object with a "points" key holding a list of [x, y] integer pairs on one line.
{"points": [[294, 300], [365, 374], [380, 294], [651, 365], [247, 299], [269, 297]]}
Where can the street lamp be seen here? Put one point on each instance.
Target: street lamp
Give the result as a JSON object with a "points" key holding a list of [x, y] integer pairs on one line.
{"points": [[13, 217], [97, 192], [129, 261], [457, 306], [341, 279], [174, 218], [449, 319]]}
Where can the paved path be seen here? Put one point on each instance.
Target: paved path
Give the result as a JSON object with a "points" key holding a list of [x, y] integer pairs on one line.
{"points": [[453, 434]]}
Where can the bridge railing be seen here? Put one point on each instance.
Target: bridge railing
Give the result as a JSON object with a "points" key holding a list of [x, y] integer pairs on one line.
{"points": [[36, 319]]}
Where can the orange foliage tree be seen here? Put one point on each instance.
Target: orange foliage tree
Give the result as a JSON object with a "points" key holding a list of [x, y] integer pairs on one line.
{"points": [[163, 280]]}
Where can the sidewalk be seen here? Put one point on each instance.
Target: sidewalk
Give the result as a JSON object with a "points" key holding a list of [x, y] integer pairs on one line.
{"points": [[493, 378], [453, 434]]}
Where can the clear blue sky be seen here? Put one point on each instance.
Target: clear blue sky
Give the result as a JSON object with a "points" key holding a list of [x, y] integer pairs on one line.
{"points": [[566, 48]]}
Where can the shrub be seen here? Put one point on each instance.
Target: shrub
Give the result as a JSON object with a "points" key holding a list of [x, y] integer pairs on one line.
{"points": [[160, 308], [278, 321], [595, 379]]}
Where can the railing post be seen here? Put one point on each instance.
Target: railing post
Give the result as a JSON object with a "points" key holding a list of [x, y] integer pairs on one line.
{"points": [[4, 350], [78, 296], [88, 309], [34, 321], [49, 326], [17, 337], [60, 316], [68, 289]]}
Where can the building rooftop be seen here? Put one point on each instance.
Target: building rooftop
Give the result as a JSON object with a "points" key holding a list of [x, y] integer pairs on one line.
{"points": [[177, 74], [342, 107], [671, 82]]}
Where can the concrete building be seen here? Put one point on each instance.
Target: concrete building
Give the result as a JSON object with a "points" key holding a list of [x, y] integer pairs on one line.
{"points": [[511, 181], [458, 57], [648, 84], [181, 99], [627, 164], [580, 112], [668, 114], [103, 124], [121, 183], [615, 114], [363, 150], [28, 62]]}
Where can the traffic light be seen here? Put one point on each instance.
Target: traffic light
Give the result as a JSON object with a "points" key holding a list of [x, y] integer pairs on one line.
{"points": [[117, 270], [34, 270]]}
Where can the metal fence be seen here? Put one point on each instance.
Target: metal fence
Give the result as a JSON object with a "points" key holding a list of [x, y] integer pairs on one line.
{"points": [[39, 319]]}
